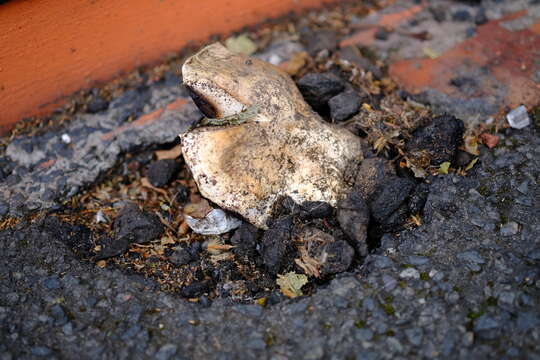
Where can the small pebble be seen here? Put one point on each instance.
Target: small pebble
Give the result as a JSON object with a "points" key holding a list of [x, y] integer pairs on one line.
{"points": [[480, 18], [66, 139], [461, 15], [344, 105], [382, 34], [510, 228], [409, 273], [161, 172], [318, 88]]}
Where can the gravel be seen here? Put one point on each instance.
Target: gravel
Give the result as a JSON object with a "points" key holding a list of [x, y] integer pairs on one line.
{"points": [[318, 88], [353, 217], [439, 140], [276, 244], [344, 105], [448, 287], [140, 226], [465, 284], [162, 172]]}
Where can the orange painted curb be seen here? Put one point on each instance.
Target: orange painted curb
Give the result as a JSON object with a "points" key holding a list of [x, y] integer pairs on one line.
{"points": [[50, 48]]}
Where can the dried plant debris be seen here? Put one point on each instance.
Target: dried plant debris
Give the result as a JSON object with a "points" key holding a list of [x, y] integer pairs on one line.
{"points": [[138, 217], [291, 284]]}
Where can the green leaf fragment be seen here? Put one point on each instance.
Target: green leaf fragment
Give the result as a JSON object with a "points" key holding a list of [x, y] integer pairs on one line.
{"points": [[443, 169], [471, 164], [241, 44], [291, 284]]}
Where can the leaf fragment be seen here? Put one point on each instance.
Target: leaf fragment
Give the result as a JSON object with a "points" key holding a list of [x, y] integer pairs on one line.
{"points": [[489, 140], [432, 54], [291, 284], [241, 44], [471, 164], [443, 168], [471, 145], [198, 210], [261, 301]]}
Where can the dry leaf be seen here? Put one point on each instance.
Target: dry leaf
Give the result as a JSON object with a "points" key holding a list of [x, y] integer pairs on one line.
{"points": [[416, 219], [183, 228], [417, 171], [227, 256], [146, 184], [432, 54], [307, 263], [169, 154], [166, 240], [291, 284], [198, 210], [489, 140], [471, 145]]}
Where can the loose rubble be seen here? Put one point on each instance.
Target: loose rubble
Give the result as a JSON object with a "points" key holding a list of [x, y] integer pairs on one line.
{"points": [[451, 272]]}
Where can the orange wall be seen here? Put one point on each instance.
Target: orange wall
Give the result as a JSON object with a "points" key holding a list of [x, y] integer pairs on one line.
{"points": [[51, 48]]}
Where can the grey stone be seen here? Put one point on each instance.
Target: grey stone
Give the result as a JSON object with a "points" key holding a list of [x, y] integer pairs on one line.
{"points": [[41, 351], [161, 172], [372, 172], [388, 197], [166, 352], [181, 256], [52, 283], [418, 260], [136, 225], [527, 321], [461, 15], [315, 41], [318, 88], [440, 139], [471, 256], [353, 217], [344, 105], [4, 209], [510, 229], [414, 335], [276, 244], [97, 140], [485, 322]]}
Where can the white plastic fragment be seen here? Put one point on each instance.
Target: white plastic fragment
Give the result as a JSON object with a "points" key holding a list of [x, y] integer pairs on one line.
{"points": [[66, 139], [518, 118], [215, 222], [100, 217]]}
